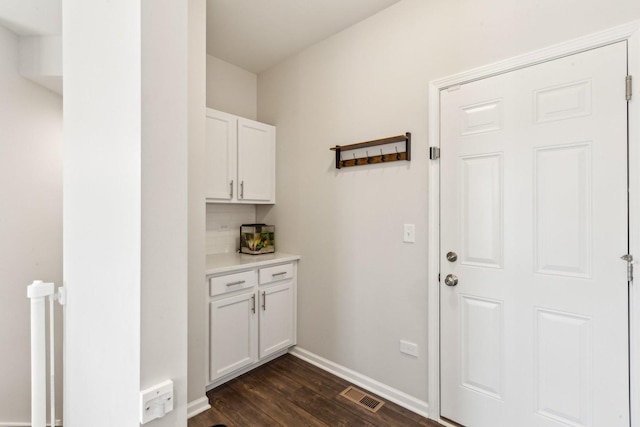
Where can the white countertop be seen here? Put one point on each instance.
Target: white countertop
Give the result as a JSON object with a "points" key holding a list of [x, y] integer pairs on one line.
{"points": [[224, 263]]}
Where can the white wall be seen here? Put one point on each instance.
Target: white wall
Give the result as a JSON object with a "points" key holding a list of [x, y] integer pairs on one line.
{"points": [[223, 226], [231, 89], [30, 218], [360, 289], [198, 358], [125, 207], [102, 210], [165, 145]]}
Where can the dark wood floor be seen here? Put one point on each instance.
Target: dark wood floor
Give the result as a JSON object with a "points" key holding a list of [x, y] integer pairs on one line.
{"points": [[290, 392]]}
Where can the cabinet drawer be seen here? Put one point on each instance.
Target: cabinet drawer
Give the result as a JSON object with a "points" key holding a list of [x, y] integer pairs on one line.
{"points": [[232, 282], [278, 272]]}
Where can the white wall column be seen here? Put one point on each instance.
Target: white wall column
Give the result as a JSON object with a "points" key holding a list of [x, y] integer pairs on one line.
{"points": [[125, 207], [198, 359]]}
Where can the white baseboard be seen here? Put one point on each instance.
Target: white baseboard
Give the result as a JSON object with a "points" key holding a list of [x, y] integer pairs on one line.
{"points": [[197, 406], [25, 424], [396, 396], [193, 408]]}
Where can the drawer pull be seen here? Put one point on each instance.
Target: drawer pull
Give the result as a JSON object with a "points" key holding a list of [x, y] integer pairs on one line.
{"points": [[239, 282], [278, 274], [264, 301]]}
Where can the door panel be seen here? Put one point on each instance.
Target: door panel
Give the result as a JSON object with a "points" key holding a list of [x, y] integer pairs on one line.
{"points": [[534, 203], [562, 222], [482, 210], [564, 363], [482, 345]]}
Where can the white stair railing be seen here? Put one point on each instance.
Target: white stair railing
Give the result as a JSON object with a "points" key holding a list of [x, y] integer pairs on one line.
{"points": [[38, 292]]}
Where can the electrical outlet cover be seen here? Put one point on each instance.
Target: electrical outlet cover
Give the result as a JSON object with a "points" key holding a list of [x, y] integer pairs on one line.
{"points": [[409, 348]]}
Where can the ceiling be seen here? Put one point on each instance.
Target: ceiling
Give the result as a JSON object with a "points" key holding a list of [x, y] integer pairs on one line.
{"points": [[33, 17], [252, 34], [257, 34]]}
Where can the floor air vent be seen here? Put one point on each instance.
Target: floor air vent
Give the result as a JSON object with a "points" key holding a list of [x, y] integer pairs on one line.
{"points": [[363, 399]]}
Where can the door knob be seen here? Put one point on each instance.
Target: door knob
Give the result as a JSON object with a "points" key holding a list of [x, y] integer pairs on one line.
{"points": [[451, 280], [452, 256]]}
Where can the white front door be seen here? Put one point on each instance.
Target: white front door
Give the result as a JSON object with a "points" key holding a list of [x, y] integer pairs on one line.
{"points": [[534, 204]]}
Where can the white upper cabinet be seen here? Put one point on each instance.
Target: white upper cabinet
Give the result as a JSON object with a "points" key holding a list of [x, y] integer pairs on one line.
{"points": [[221, 155], [241, 160], [256, 161]]}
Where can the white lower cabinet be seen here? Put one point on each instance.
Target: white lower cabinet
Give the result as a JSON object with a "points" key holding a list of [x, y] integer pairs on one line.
{"points": [[233, 339], [250, 319], [276, 318]]}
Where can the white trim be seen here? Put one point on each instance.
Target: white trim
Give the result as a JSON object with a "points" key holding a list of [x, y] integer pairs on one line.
{"points": [[396, 396], [592, 41], [629, 32], [433, 261], [197, 406], [25, 424], [634, 225]]}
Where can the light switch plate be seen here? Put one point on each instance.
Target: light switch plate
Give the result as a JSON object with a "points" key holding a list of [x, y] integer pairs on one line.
{"points": [[409, 233], [156, 401]]}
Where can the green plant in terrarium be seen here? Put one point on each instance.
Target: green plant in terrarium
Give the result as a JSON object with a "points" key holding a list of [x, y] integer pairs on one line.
{"points": [[256, 239]]}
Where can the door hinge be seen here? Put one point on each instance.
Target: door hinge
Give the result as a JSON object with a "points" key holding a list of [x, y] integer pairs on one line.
{"points": [[629, 259], [628, 88], [434, 153], [438, 277]]}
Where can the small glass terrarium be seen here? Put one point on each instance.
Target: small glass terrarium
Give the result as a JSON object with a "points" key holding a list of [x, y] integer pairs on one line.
{"points": [[256, 239]]}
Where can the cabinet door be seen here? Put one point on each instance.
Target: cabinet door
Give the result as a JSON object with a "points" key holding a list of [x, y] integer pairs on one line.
{"points": [[256, 162], [221, 156], [232, 334], [277, 317]]}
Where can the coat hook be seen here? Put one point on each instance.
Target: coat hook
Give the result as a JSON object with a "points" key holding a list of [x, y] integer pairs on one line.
{"points": [[355, 161], [397, 154], [368, 158], [382, 156]]}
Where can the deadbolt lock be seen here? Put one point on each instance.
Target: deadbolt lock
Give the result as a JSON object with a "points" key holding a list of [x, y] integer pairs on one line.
{"points": [[452, 256]]}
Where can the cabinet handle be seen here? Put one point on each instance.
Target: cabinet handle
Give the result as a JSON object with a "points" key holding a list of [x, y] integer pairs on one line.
{"points": [[231, 189], [253, 303], [242, 189], [264, 301], [239, 282], [278, 274]]}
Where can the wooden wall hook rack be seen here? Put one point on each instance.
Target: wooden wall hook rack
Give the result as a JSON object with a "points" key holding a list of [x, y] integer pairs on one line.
{"points": [[382, 158]]}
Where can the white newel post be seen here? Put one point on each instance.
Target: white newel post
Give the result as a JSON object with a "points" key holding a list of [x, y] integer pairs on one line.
{"points": [[38, 292]]}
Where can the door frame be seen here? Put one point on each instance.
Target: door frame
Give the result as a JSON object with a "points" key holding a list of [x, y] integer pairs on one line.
{"points": [[628, 32]]}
